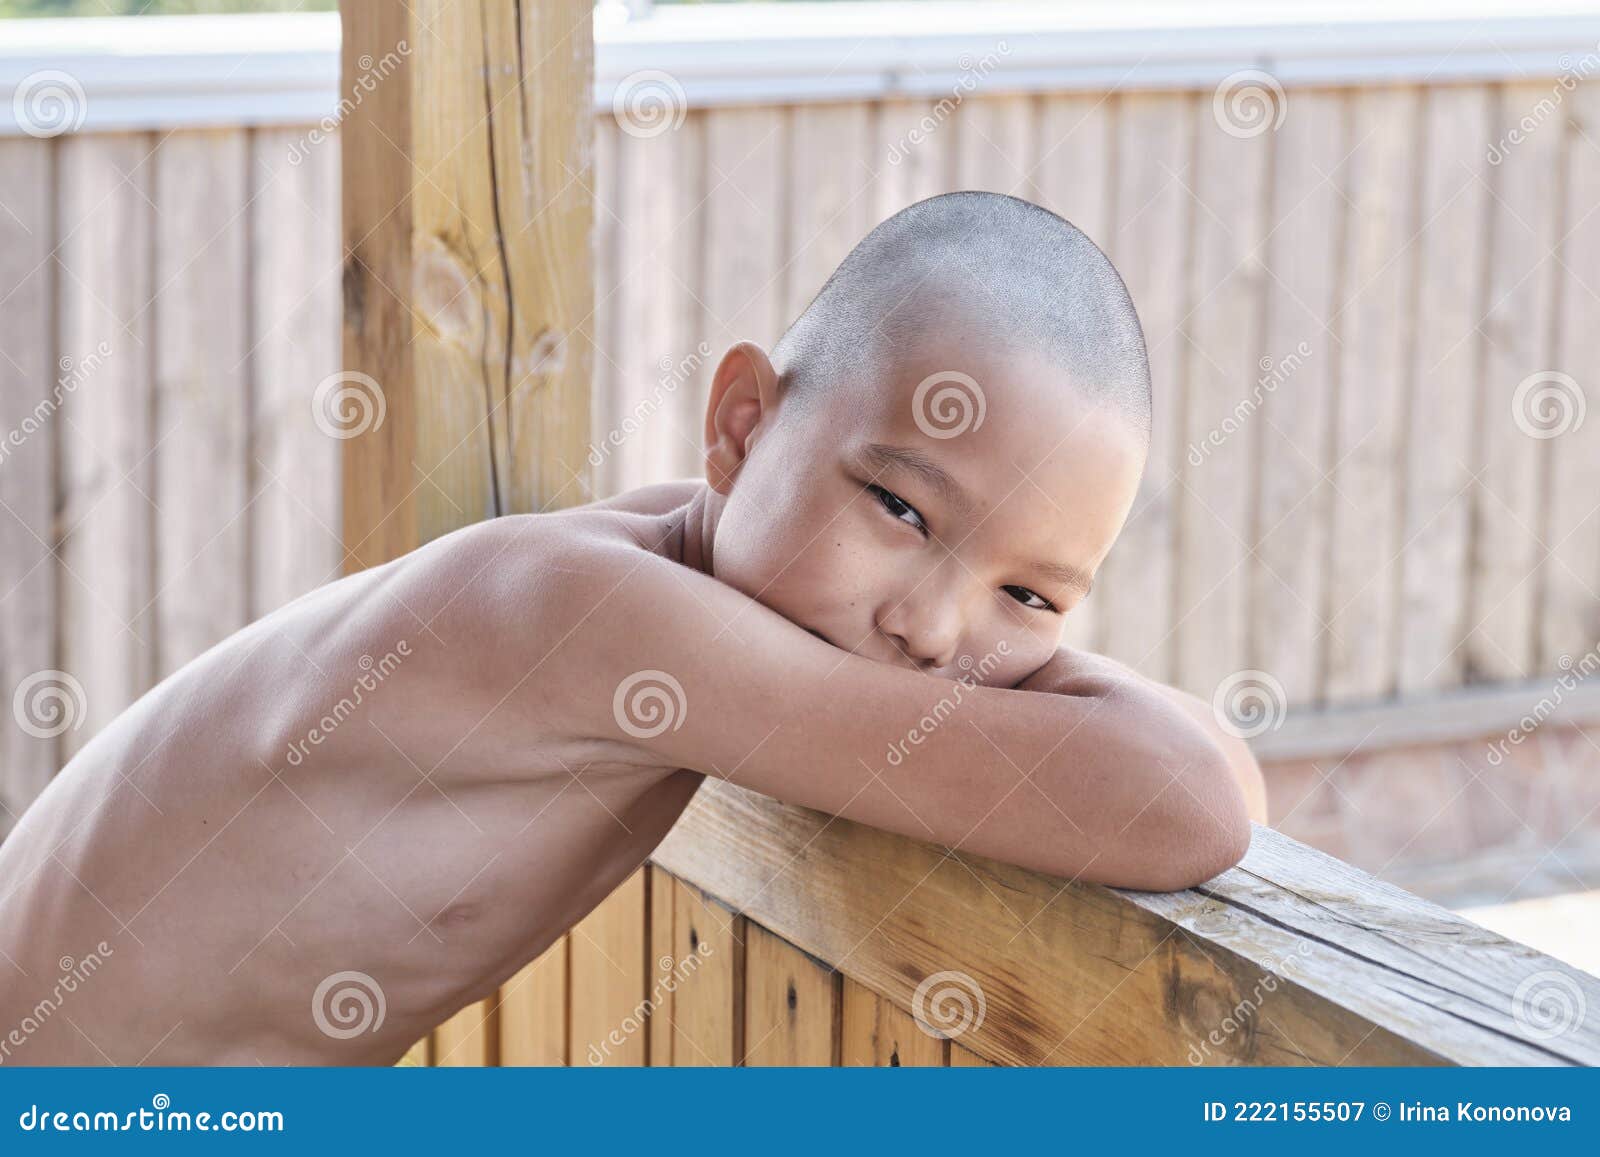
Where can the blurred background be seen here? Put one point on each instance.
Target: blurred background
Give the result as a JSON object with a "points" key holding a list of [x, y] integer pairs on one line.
{"points": [[1362, 239]]}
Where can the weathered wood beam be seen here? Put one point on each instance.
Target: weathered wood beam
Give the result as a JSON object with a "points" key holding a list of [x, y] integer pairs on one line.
{"points": [[468, 285], [468, 293], [1292, 957]]}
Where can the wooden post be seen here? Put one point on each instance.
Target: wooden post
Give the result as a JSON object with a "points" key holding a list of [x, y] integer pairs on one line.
{"points": [[468, 288]]}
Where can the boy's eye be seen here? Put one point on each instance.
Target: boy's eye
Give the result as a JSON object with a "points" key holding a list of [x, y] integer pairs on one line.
{"points": [[898, 507], [1029, 598]]}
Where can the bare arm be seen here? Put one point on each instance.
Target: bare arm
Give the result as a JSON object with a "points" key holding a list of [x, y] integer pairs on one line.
{"points": [[1109, 785], [1073, 672]]}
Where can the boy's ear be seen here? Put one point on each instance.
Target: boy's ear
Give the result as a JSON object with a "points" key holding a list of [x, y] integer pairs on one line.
{"points": [[743, 391]]}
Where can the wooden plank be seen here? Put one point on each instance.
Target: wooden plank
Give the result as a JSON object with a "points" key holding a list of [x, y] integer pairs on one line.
{"points": [[1294, 381], [420, 1054], [607, 982], [873, 1032], [1502, 637], [467, 212], [996, 144], [107, 523], [657, 252], [1222, 346], [791, 1004], [915, 153], [697, 949], [1570, 618], [533, 1011], [742, 287], [1448, 717], [1447, 362], [467, 1039], [965, 1058], [200, 308], [1290, 958], [1073, 176], [1149, 244], [1371, 321], [294, 344], [33, 387], [832, 170]]}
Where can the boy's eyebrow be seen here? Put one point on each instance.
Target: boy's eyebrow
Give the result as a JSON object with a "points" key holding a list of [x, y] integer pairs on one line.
{"points": [[882, 456], [1066, 574]]}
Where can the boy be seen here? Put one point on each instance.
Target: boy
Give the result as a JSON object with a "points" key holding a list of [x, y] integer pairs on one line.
{"points": [[405, 785]]}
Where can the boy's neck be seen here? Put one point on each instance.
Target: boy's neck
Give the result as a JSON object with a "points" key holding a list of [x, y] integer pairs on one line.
{"points": [[694, 531]]}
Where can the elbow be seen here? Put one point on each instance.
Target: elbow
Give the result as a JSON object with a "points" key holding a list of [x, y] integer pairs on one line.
{"points": [[1207, 828]]}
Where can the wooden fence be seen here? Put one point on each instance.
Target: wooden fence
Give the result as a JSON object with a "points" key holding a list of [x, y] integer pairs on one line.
{"points": [[1348, 491]]}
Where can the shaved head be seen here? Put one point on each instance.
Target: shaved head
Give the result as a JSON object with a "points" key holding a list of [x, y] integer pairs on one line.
{"points": [[989, 268]]}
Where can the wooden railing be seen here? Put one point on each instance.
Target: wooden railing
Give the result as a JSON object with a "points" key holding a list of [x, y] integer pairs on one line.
{"points": [[763, 934]]}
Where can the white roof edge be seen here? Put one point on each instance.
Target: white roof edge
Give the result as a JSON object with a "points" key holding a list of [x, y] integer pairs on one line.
{"points": [[176, 71]]}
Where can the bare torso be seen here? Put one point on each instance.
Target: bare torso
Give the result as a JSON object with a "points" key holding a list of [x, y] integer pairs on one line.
{"points": [[309, 815]]}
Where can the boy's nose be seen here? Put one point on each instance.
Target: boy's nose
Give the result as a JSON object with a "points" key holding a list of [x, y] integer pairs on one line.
{"points": [[925, 625]]}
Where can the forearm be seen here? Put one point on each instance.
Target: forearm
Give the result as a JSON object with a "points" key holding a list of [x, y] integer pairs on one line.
{"points": [[1157, 710]]}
